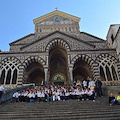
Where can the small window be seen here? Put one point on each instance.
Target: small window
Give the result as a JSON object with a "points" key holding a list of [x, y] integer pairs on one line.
{"points": [[112, 38]]}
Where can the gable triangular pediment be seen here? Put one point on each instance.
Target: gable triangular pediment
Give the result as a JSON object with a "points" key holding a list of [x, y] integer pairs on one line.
{"points": [[74, 43], [55, 13], [55, 20]]}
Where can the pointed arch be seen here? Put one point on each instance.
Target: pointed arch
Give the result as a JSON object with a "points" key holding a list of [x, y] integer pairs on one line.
{"points": [[86, 64], [7, 67], [109, 65], [30, 65], [84, 57], [59, 42], [33, 59]]}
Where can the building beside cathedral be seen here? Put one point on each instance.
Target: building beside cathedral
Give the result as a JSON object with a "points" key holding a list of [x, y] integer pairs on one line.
{"points": [[59, 53], [113, 38]]}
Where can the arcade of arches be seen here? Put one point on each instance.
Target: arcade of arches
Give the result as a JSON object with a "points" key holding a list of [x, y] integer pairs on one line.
{"points": [[58, 70]]}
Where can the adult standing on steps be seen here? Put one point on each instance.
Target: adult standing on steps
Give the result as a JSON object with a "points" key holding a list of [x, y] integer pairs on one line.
{"points": [[2, 89], [98, 87]]}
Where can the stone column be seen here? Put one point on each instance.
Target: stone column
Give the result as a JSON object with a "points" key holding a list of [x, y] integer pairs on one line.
{"points": [[96, 72], [46, 72], [11, 77], [0, 73], [6, 72], [20, 75], [71, 74]]}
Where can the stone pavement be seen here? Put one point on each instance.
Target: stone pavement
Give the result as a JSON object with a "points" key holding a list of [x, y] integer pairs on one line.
{"points": [[61, 110]]}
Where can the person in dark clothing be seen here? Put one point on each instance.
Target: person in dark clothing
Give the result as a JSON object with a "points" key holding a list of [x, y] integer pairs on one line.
{"points": [[98, 87], [88, 80], [111, 99]]}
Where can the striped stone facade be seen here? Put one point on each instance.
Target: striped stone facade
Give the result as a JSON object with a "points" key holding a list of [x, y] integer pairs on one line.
{"points": [[61, 55]]}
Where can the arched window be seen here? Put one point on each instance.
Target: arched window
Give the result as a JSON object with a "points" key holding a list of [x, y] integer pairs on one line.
{"points": [[108, 69], [114, 73], [2, 76], [108, 73], [8, 77], [14, 77], [9, 71], [102, 75]]}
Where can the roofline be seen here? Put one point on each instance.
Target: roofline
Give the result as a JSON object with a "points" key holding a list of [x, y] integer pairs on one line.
{"points": [[109, 29], [26, 52], [55, 12], [93, 36], [117, 32], [21, 38], [54, 33]]}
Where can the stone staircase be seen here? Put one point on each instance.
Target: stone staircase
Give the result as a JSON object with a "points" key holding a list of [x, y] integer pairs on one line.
{"points": [[61, 110]]}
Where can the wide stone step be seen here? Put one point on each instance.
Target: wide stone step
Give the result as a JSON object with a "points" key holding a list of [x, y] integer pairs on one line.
{"points": [[71, 109]]}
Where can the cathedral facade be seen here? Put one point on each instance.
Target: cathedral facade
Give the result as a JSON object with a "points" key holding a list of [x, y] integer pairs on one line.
{"points": [[59, 53]]}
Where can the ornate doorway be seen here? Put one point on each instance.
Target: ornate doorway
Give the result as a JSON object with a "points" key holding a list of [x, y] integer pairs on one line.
{"points": [[58, 65]]}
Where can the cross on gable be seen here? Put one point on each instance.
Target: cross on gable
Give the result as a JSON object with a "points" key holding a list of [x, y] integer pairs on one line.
{"points": [[56, 8]]}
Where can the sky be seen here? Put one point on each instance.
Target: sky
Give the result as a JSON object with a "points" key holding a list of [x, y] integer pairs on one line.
{"points": [[16, 16]]}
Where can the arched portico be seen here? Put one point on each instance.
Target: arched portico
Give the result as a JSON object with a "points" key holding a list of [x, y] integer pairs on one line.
{"points": [[83, 67], [34, 70], [58, 61]]}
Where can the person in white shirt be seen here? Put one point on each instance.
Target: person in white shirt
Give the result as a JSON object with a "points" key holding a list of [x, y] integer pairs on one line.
{"points": [[56, 95], [67, 95], [31, 96], [90, 95], [79, 94], [62, 94], [16, 96], [84, 94], [72, 94], [41, 96], [91, 84], [2, 90], [84, 83], [78, 83]]}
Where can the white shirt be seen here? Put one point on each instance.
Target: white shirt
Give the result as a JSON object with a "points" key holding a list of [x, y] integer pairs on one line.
{"points": [[78, 93], [84, 92], [84, 83], [40, 94], [56, 93], [1, 88], [16, 95], [90, 93], [25, 94], [31, 95], [91, 84], [67, 94], [73, 93]]}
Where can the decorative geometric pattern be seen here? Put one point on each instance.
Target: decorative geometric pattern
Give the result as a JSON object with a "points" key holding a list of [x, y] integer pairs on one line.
{"points": [[9, 64], [109, 62], [58, 42]]}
